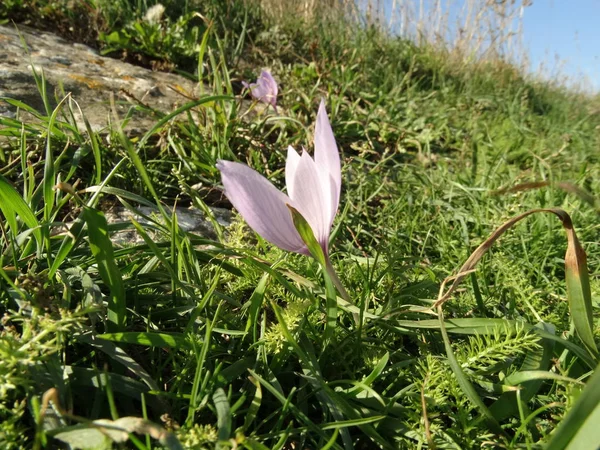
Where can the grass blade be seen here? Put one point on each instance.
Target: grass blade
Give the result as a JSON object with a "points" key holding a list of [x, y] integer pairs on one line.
{"points": [[13, 205], [102, 250], [254, 406], [49, 169], [538, 359], [330, 307], [577, 277], [491, 326], [161, 340], [578, 290], [223, 415], [566, 186], [75, 232], [464, 382], [207, 101], [255, 302], [578, 428]]}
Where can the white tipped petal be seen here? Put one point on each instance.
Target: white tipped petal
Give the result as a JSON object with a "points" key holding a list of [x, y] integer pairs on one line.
{"points": [[261, 205], [308, 197], [327, 155], [330, 195], [291, 164]]}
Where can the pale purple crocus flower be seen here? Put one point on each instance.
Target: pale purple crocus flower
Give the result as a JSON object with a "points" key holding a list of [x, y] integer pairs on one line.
{"points": [[313, 189], [265, 89]]}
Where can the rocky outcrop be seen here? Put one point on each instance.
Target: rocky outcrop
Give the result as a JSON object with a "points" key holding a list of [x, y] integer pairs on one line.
{"points": [[90, 78]]}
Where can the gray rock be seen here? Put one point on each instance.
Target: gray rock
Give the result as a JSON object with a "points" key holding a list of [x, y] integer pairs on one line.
{"points": [[90, 78], [190, 220]]}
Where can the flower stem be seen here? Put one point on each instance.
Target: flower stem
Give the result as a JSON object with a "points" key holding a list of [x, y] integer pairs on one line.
{"points": [[336, 281], [340, 287]]}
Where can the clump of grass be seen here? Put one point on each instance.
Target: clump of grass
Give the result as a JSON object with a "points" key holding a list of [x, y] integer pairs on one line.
{"points": [[219, 342]]}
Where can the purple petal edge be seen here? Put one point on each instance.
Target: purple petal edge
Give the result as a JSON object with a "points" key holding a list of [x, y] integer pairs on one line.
{"points": [[262, 206]]}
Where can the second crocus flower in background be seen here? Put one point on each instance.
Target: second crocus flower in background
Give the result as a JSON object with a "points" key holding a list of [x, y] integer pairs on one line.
{"points": [[265, 89]]}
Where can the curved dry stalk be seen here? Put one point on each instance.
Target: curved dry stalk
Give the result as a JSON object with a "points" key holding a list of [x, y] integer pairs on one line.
{"points": [[577, 277], [567, 186]]}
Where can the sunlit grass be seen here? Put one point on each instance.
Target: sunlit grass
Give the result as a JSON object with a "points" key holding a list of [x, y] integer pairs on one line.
{"points": [[220, 342]]}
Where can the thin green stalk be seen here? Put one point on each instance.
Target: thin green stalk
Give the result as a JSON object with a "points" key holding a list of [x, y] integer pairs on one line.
{"points": [[336, 281], [341, 289]]}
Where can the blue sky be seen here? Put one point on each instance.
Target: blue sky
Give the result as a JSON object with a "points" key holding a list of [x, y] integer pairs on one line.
{"points": [[561, 35], [568, 30]]}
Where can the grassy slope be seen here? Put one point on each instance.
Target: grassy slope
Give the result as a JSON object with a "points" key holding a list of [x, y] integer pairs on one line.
{"points": [[425, 142]]}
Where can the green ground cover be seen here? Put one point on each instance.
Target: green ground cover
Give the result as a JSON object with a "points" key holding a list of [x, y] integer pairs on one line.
{"points": [[227, 342]]}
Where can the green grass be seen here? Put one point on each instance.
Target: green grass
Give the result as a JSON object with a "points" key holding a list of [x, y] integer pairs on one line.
{"points": [[221, 341]]}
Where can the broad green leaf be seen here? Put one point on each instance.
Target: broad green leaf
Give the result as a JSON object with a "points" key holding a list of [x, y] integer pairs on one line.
{"points": [[87, 437], [466, 325], [351, 423], [588, 435], [118, 355], [23, 106], [85, 377], [120, 193]]}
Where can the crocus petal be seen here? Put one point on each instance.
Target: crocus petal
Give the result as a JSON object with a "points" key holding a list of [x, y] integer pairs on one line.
{"points": [[291, 164], [266, 75], [258, 91], [265, 89], [261, 205], [330, 196], [327, 156], [310, 199], [271, 86]]}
